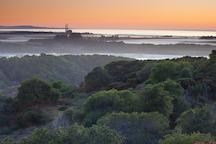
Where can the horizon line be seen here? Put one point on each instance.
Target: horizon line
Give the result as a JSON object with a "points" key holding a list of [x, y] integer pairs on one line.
{"points": [[111, 28]]}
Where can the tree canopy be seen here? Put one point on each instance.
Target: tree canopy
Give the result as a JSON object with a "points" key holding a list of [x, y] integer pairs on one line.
{"points": [[137, 128], [36, 91]]}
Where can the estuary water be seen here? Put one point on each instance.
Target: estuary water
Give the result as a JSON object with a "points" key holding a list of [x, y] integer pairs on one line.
{"points": [[155, 37], [129, 32]]}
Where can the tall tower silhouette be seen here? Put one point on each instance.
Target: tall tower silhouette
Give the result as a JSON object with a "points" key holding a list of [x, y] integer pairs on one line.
{"points": [[66, 27]]}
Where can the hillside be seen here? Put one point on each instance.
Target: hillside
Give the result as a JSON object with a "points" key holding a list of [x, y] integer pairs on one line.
{"points": [[123, 102], [69, 69], [22, 27]]}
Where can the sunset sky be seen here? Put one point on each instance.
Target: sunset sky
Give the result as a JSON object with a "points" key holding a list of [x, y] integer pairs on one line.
{"points": [[133, 14]]}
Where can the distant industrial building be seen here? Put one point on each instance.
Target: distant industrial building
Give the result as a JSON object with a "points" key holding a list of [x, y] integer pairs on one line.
{"points": [[69, 34]]}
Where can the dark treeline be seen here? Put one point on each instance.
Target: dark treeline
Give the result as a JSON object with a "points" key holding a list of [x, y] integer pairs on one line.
{"points": [[124, 102]]}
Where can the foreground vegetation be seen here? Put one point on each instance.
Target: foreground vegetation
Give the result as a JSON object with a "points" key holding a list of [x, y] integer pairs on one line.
{"points": [[124, 102]]}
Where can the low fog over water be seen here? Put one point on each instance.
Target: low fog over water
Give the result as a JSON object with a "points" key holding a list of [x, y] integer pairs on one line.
{"points": [[138, 44]]}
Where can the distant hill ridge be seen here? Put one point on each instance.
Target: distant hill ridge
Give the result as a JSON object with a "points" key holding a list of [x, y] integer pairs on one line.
{"points": [[23, 27]]}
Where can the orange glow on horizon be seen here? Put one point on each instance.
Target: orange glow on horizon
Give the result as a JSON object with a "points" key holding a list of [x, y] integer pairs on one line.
{"points": [[137, 14]]}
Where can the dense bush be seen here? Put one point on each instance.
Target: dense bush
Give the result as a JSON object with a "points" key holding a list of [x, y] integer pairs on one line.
{"points": [[74, 135], [197, 120], [207, 76], [170, 70], [74, 115], [32, 117], [179, 102], [124, 70], [97, 80], [103, 102], [178, 138], [67, 91], [137, 128], [166, 98], [155, 98], [7, 112], [118, 75], [36, 91], [7, 141], [6, 105]]}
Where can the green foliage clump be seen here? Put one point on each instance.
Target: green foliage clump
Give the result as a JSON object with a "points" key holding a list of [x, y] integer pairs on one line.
{"points": [[137, 128], [7, 112], [39, 136], [74, 135], [178, 138], [170, 70], [197, 120], [7, 141], [67, 91], [155, 98], [6, 105], [165, 97], [32, 117], [104, 135], [118, 75], [4, 113], [180, 104], [36, 91], [123, 70], [74, 115], [103, 102], [207, 77], [97, 80]]}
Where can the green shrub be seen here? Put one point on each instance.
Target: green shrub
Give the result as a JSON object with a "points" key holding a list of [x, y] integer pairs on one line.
{"points": [[97, 79], [155, 99], [137, 128], [32, 117], [7, 112], [103, 102], [94, 135], [36, 91], [74, 115], [7, 141], [104, 135], [179, 102], [39, 136], [178, 138], [197, 120], [74, 135], [66, 90], [170, 70], [62, 108]]}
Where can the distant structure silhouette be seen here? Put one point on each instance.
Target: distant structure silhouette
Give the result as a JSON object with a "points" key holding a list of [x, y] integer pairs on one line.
{"points": [[66, 27], [69, 34]]}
